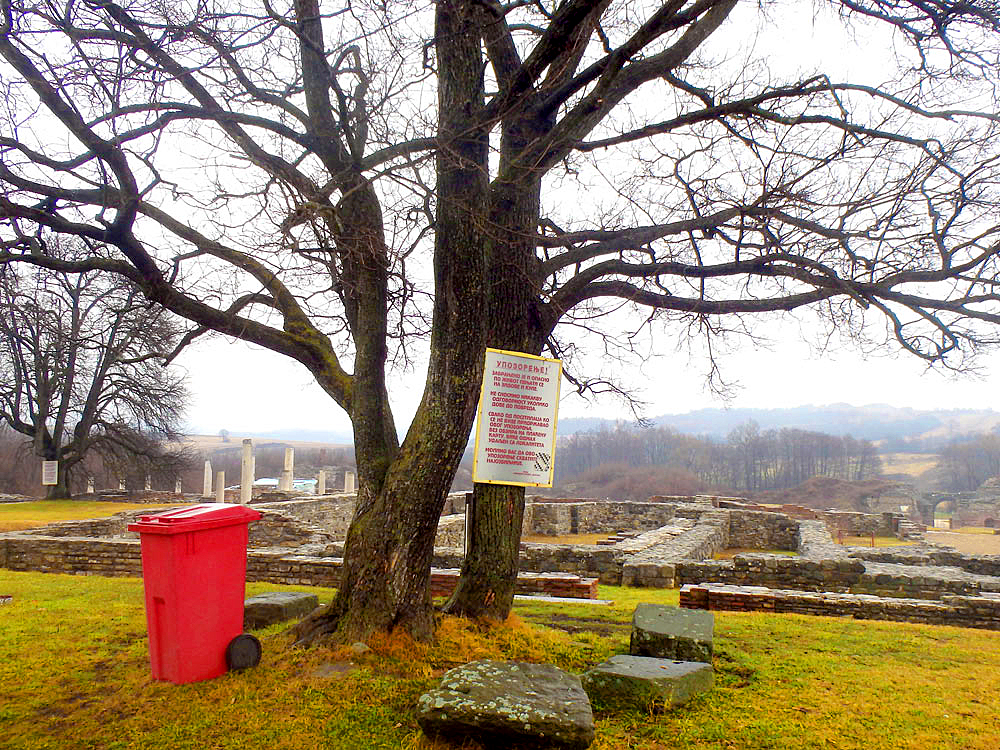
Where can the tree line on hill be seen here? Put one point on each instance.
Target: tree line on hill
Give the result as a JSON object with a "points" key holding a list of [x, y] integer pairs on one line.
{"points": [[748, 460]]}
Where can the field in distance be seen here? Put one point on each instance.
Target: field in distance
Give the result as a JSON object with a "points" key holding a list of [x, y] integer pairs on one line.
{"points": [[911, 464]]}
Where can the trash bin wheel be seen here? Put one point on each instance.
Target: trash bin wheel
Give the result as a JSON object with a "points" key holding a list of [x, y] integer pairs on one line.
{"points": [[243, 652]]}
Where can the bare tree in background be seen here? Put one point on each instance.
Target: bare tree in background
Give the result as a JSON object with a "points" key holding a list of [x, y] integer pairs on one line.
{"points": [[83, 374], [336, 182]]}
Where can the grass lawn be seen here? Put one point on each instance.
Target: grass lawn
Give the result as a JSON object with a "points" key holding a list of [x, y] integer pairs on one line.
{"points": [[17, 516], [74, 674]]}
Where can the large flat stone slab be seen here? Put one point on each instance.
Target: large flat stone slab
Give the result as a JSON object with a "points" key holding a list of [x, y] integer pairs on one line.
{"points": [[642, 681], [276, 606], [503, 702], [672, 633]]}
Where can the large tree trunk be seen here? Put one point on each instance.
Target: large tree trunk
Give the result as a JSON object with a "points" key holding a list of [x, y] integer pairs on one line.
{"points": [[387, 559], [489, 571]]}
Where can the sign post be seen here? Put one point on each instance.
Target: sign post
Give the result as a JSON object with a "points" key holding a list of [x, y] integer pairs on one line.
{"points": [[50, 472], [516, 423]]}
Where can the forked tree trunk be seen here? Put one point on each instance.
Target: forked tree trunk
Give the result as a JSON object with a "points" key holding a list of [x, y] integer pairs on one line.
{"points": [[489, 570], [386, 577]]}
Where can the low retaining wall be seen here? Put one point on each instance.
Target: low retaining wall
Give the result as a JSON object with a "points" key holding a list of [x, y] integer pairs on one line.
{"points": [[118, 558], [560, 519], [961, 611], [53, 554], [986, 565]]}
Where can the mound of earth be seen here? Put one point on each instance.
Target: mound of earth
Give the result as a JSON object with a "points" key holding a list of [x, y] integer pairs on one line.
{"points": [[826, 492]]}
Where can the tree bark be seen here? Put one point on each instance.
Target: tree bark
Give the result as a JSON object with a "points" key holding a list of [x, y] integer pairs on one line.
{"points": [[515, 322], [387, 558]]}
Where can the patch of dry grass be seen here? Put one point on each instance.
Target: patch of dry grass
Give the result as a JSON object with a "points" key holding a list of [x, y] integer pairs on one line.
{"points": [[912, 464], [566, 538], [866, 541]]}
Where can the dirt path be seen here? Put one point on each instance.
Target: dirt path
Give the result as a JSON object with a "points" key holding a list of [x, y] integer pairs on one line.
{"points": [[967, 544]]}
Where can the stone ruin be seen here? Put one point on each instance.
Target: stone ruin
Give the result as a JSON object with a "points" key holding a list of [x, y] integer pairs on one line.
{"points": [[670, 542]]}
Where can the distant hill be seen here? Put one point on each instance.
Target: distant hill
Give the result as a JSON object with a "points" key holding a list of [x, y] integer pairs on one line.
{"points": [[877, 422]]}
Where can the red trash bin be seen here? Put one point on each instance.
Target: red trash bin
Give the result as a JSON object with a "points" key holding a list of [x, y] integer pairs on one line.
{"points": [[194, 573]]}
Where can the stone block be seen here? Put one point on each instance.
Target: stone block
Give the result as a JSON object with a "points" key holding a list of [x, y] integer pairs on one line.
{"points": [[500, 703], [642, 681], [672, 633], [276, 606]]}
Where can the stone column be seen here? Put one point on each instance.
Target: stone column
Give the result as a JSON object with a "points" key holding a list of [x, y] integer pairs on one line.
{"points": [[220, 487], [288, 473], [90, 486], [177, 488], [207, 486], [246, 473], [348, 481], [321, 483]]}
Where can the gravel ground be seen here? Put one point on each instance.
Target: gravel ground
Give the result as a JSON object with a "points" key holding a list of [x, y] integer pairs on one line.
{"points": [[967, 544]]}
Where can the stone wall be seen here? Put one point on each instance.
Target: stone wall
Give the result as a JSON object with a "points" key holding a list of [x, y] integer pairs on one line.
{"points": [[850, 522], [774, 571], [286, 546], [654, 566], [330, 513], [451, 532], [113, 526], [278, 529], [986, 565], [588, 561], [863, 524], [762, 530], [961, 611], [53, 554], [560, 519], [816, 543]]}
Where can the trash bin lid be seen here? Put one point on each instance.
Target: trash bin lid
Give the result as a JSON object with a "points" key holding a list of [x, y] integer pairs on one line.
{"points": [[195, 518]]}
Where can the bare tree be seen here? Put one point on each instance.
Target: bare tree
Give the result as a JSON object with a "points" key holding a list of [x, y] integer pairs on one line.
{"points": [[479, 172], [83, 373]]}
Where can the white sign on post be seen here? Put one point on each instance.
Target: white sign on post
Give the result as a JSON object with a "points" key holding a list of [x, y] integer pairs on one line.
{"points": [[516, 424], [50, 472]]}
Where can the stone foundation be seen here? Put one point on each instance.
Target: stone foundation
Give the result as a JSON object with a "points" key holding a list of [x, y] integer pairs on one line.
{"points": [[961, 611], [299, 541]]}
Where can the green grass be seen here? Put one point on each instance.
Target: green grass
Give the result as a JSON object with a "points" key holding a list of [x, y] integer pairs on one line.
{"points": [[74, 674], [16, 516]]}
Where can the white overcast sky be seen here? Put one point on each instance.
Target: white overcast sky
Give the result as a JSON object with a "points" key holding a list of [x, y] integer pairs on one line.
{"points": [[245, 389], [249, 390]]}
